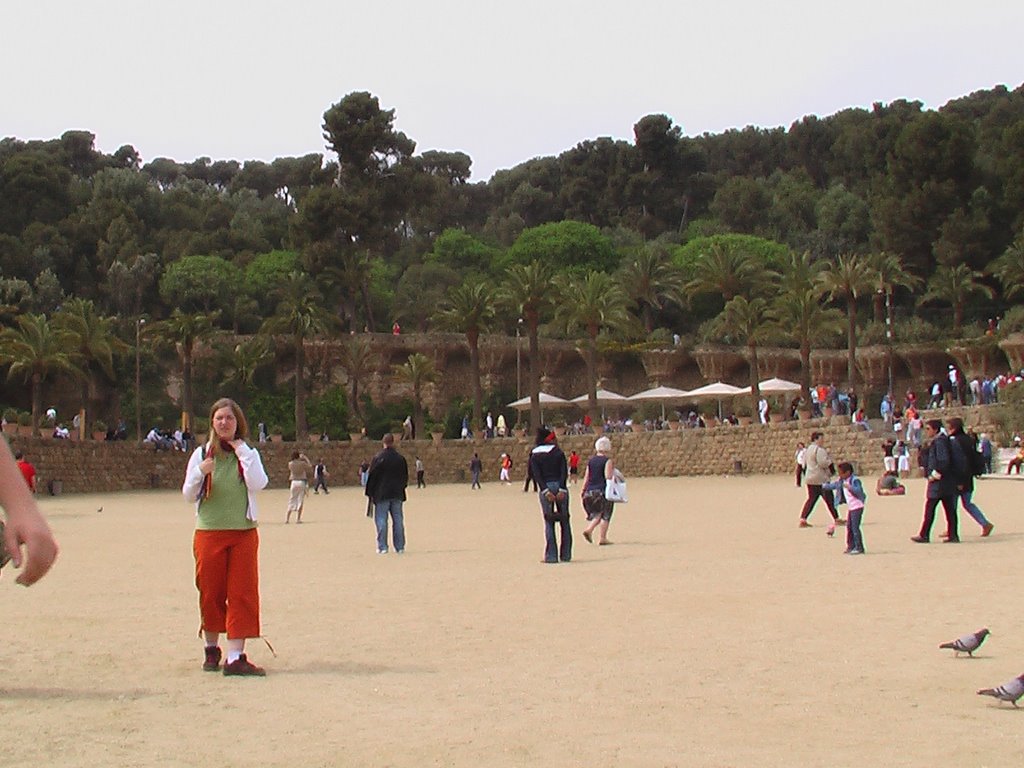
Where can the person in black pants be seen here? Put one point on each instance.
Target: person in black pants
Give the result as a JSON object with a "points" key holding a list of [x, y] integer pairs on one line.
{"points": [[529, 478], [550, 469], [819, 471], [941, 484]]}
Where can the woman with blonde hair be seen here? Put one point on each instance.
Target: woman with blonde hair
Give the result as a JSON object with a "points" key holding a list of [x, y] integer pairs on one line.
{"points": [[222, 479], [600, 468]]}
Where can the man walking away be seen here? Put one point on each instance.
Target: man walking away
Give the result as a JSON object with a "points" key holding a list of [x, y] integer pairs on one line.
{"points": [[385, 486]]}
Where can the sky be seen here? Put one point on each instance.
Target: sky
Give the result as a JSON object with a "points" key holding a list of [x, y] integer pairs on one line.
{"points": [[503, 82]]}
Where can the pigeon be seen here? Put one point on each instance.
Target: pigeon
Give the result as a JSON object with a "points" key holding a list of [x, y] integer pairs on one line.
{"points": [[1010, 691], [968, 643]]}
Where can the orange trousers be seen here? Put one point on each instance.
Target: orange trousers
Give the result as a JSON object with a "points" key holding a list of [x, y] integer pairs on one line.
{"points": [[228, 580]]}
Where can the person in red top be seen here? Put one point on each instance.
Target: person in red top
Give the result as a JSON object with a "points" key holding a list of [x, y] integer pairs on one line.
{"points": [[574, 467], [27, 470]]}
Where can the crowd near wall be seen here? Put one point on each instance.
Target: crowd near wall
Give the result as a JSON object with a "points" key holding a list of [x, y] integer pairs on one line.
{"points": [[94, 467]]}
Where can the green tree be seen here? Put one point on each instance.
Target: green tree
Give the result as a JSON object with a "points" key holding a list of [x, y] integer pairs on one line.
{"points": [[527, 292], [417, 371], [242, 364], [183, 331], [889, 273], [593, 303], [300, 316], [847, 280], [572, 245], [358, 361], [651, 280], [750, 322], [800, 316], [93, 342], [36, 350], [199, 283], [469, 309], [954, 286], [1009, 268]]}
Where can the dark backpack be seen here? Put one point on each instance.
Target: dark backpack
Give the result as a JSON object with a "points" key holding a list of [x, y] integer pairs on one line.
{"points": [[966, 458]]}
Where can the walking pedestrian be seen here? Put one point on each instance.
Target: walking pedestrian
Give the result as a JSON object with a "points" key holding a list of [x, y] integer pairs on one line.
{"points": [[819, 471], [385, 486], [941, 484]]}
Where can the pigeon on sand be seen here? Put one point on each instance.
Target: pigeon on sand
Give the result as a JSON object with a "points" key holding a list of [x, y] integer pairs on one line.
{"points": [[1010, 691], [968, 643]]}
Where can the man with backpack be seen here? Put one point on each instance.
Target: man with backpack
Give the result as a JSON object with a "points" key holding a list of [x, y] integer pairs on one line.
{"points": [[968, 463]]}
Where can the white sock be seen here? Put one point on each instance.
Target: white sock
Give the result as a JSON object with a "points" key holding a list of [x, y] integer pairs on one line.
{"points": [[235, 649], [211, 638]]}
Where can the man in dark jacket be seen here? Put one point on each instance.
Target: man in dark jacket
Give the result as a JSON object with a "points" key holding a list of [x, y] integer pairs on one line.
{"points": [[964, 455], [942, 482], [385, 486], [550, 470]]}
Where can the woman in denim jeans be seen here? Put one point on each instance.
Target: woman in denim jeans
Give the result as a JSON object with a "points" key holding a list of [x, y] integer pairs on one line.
{"points": [[550, 469]]}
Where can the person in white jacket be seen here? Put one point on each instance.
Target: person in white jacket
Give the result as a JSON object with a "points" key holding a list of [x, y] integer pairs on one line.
{"points": [[222, 479]]}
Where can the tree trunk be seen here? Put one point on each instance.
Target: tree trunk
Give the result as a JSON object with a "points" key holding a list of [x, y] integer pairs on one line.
{"points": [[473, 338], [532, 323], [958, 318], [301, 429], [37, 402], [805, 373], [851, 343], [755, 389], [592, 373], [188, 348]]}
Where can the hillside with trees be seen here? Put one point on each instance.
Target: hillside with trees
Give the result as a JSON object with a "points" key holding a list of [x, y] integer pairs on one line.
{"points": [[742, 237]]}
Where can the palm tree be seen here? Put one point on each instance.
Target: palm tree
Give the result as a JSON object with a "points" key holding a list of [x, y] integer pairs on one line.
{"points": [[243, 362], [953, 286], [800, 316], [593, 303], [300, 315], [728, 273], [36, 350], [848, 279], [1009, 268], [469, 308], [651, 280], [750, 321], [350, 279], [889, 273], [184, 330], [94, 344], [529, 292], [357, 359], [417, 371]]}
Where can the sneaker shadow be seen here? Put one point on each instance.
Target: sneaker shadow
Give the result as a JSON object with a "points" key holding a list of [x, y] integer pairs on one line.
{"points": [[349, 669], [71, 694]]}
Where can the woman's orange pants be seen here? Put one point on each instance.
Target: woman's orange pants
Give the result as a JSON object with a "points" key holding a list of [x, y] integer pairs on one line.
{"points": [[227, 577]]}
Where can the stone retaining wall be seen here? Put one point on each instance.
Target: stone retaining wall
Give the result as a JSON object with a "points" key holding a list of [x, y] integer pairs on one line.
{"points": [[92, 467]]}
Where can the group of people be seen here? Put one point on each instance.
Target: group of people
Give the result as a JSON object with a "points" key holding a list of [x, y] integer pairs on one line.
{"points": [[951, 458]]}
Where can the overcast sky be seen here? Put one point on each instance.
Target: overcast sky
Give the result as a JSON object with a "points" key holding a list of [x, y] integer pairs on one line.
{"points": [[500, 81]]}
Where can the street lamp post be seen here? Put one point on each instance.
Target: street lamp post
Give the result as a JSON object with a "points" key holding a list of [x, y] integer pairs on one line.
{"points": [[138, 379], [888, 335], [519, 328]]}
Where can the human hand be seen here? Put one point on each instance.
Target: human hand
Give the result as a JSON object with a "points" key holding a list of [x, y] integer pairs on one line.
{"points": [[27, 528], [206, 465], [237, 443]]}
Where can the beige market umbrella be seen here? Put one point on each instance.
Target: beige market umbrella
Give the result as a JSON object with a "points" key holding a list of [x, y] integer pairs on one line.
{"points": [[604, 397], [551, 401], [660, 395], [717, 390]]}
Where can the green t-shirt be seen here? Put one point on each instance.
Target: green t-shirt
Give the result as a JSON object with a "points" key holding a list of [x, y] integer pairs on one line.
{"points": [[225, 508]]}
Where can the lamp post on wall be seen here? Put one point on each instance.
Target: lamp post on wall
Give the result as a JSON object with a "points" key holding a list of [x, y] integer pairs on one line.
{"points": [[519, 329], [138, 379]]}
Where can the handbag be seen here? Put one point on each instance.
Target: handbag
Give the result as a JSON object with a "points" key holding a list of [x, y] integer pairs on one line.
{"points": [[615, 488]]}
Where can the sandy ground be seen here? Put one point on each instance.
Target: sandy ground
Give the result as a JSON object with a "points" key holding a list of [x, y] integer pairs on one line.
{"points": [[713, 633]]}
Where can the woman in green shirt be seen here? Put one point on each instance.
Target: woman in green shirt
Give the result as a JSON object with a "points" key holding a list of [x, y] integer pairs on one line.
{"points": [[222, 478]]}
